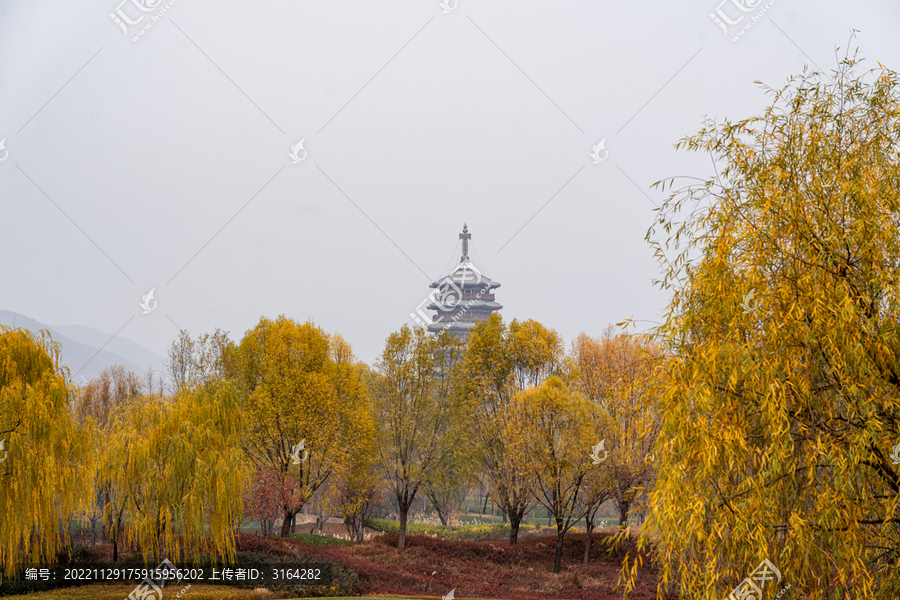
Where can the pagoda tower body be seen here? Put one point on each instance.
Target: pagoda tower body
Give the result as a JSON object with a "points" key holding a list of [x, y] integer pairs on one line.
{"points": [[463, 298]]}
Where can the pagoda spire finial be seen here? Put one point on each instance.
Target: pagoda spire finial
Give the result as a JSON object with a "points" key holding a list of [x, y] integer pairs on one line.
{"points": [[465, 236]]}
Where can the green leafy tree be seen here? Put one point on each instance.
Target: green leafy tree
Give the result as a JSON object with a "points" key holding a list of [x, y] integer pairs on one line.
{"points": [[782, 405]]}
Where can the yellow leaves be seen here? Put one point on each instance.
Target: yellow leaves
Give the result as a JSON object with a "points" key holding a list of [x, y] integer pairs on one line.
{"points": [[549, 428], [788, 408], [303, 384], [46, 474], [414, 405], [177, 471]]}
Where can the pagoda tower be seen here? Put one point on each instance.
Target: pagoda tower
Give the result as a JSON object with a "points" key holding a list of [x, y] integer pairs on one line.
{"points": [[464, 297]]}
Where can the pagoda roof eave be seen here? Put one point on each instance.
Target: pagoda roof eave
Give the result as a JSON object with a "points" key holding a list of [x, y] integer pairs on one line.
{"points": [[477, 305], [467, 275]]}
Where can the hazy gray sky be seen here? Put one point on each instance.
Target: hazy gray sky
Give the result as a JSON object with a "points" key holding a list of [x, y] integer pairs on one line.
{"points": [[164, 162]]}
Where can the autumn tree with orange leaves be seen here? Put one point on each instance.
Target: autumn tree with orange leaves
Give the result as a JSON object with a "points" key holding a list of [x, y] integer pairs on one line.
{"points": [[620, 375]]}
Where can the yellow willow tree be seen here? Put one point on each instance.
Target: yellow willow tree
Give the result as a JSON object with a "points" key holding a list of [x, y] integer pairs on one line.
{"points": [[783, 402], [302, 385], [45, 459], [417, 412], [550, 430], [619, 374], [500, 362], [178, 471]]}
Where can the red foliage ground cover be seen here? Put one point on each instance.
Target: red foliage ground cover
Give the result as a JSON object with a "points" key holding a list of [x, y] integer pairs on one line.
{"points": [[478, 569]]}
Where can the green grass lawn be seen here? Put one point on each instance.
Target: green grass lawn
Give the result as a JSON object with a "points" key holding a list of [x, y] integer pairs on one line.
{"points": [[460, 532], [541, 521], [472, 531], [320, 540]]}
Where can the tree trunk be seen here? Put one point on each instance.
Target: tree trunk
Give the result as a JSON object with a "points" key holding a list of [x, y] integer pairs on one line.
{"points": [[515, 519], [294, 524], [588, 530], [557, 564], [118, 527], [442, 508], [513, 532], [404, 512], [623, 514], [359, 526], [286, 523], [107, 521]]}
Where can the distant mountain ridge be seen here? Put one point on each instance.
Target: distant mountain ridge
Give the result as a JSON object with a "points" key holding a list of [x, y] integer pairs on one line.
{"points": [[78, 344]]}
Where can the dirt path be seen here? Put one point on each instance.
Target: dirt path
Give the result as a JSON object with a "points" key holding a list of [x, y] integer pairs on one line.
{"points": [[334, 527]]}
